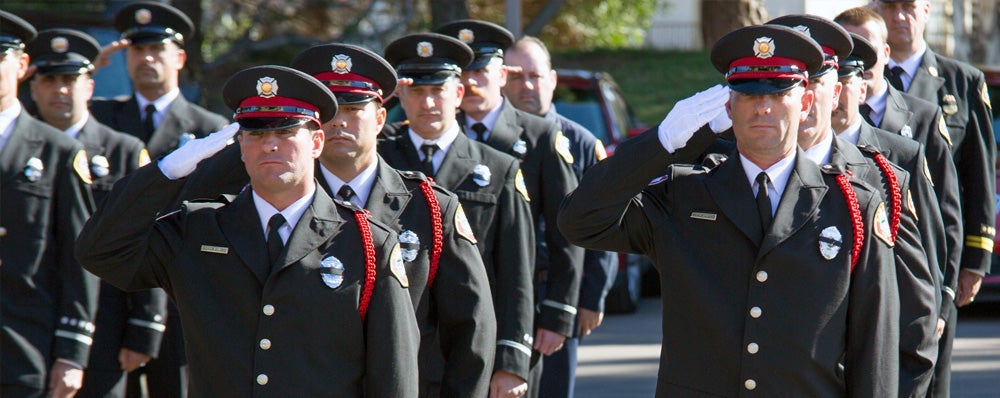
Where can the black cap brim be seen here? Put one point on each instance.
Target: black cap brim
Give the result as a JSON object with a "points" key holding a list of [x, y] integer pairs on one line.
{"points": [[64, 69], [425, 78], [270, 123], [763, 86]]}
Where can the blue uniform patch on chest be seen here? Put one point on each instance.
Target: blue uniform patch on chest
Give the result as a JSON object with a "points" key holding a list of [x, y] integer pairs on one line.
{"points": [[332, 272]]}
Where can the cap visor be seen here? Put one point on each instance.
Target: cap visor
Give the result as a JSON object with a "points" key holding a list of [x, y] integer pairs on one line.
{"points": [[348, 98], [68, 69], [480, 62], [763, 86], [422, 78], [149, 38], [270, 123]]}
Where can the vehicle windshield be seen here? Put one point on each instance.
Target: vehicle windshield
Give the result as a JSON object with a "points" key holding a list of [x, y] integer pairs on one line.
{"points": [[582, 107]]}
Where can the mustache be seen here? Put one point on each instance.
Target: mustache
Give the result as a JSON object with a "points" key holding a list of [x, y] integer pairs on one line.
{"points": [[474, 90]]}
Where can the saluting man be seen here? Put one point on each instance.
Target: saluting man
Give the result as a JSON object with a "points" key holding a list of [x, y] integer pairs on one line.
{"points": [[547, 164], [487, 182], [47, 301], [129, 326], [803, 303], [282, 291]]}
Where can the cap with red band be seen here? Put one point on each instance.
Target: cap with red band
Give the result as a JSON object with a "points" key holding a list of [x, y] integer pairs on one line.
{"points": [[766, 59], [833, 39], [352, 73], [275, 97]]}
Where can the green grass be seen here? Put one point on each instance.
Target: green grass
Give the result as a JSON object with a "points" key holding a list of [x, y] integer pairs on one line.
{"points": [[652, 81]]}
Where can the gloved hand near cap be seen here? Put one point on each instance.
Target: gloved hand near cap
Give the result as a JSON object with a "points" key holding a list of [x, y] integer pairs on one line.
{"points": [[183, 160], [691, 113]]}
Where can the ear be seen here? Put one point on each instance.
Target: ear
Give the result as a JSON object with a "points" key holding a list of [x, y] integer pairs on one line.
{"points": [[318, 137], [181, 58], [864, 90], [460, 92], [380, 115], [807, 102], [503, 76], [837, 89], [89, 86]]}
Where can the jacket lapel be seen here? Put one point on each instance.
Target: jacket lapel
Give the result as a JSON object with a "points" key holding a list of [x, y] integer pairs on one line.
{"points": [[90, 138], [896, 112], [731, 191], [867, 137], [800, 200], [457, 164], [506, 131], [173, 122], [313, 229], [924, 84], [241, 226], [388, 196], [130, 119], [20, 146]]}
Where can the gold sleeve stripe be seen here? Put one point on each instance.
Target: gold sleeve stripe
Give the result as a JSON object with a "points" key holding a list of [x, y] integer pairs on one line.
{"points": [[979, 242]]}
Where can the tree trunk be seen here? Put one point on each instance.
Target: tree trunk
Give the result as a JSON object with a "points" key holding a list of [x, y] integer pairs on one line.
{"points": [[445, 11], [719, 17], [544, 16]]}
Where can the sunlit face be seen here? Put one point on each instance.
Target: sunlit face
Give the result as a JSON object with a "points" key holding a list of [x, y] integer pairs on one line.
{"points": [[13, 66], [278, 159], [352, 133], [873, 31], [851, 97], [906, 21], [155, 65], [826, 93], [483, 88], [431, 109], [531, 89], [767, 125], [62, 99]]}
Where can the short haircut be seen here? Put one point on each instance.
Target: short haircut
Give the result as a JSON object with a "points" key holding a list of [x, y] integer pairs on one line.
{"points": [[858, 16], [529, 40]]}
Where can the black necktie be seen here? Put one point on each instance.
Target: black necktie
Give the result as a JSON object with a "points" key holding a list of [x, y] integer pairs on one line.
{"points": [[345, 193], [480, 130], [866, 112], [428, 150], [147, 122], [895, 77], [763, 202], [274, 244]]}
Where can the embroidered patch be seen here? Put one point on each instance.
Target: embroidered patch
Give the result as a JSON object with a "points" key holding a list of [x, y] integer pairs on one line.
{"points": [[520, 187], [830, 242], [985, 93], [462, 225], [82, 167], [143, 157], [911, 206], [600, 151], [880, 225], [397, 268], [927, 173], [943, 130], [562, 147]]}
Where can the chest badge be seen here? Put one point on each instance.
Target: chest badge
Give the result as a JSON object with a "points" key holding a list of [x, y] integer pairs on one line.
{"points": [[481, 175], [830, 242], [332, 272], [409, 245], [906, 131], [99, 166], [33, 169], [520, 148]]}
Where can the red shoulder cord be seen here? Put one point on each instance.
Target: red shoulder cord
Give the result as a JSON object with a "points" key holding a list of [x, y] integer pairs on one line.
{"points": [[369, 246], [897, 198], [856, 221], [437, 225]]}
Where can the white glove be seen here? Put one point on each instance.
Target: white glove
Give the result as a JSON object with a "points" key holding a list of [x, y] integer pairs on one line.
{"points": [[182, 161], [690, 114]]}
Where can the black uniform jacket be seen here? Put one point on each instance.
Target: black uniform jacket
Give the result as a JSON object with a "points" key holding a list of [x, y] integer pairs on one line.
{"points": [[917, 281], [776, 316], [548, 176], [599, 267], [182, 117], [130, 320], [455, 314], [501, 220], [47, 301], [251, 331], [926, 124], [960, 91]]}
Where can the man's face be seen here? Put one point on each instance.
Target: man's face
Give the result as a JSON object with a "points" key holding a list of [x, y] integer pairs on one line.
{"points": [[62, 99], [531, 89], [13, 65], [278, 159], [766, 125], [351, 134], [826, 92], [872, 31], [906, 21], [155, 65], [431, 109], [482, 88], [851, 97]]}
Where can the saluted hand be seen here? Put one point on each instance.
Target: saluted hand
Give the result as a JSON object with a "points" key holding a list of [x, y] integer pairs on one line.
{"points": [[689, 114]]}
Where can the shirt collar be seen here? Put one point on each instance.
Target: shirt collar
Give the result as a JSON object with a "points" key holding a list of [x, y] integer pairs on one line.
{"points": [[74, 130], [489, 121], [778, 173], [443, 142], [161, 103], [7, 118], [820, 153], [852, 133], [911, 64], [361, 184], [877, 102], [292, 213]]}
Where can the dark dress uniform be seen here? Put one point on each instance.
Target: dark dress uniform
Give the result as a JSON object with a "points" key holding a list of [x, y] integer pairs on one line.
{"points": [[124, 320], [285, 332], [501, 221], [47, 301], [182, 117], [599, 267], [761, 320]]}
